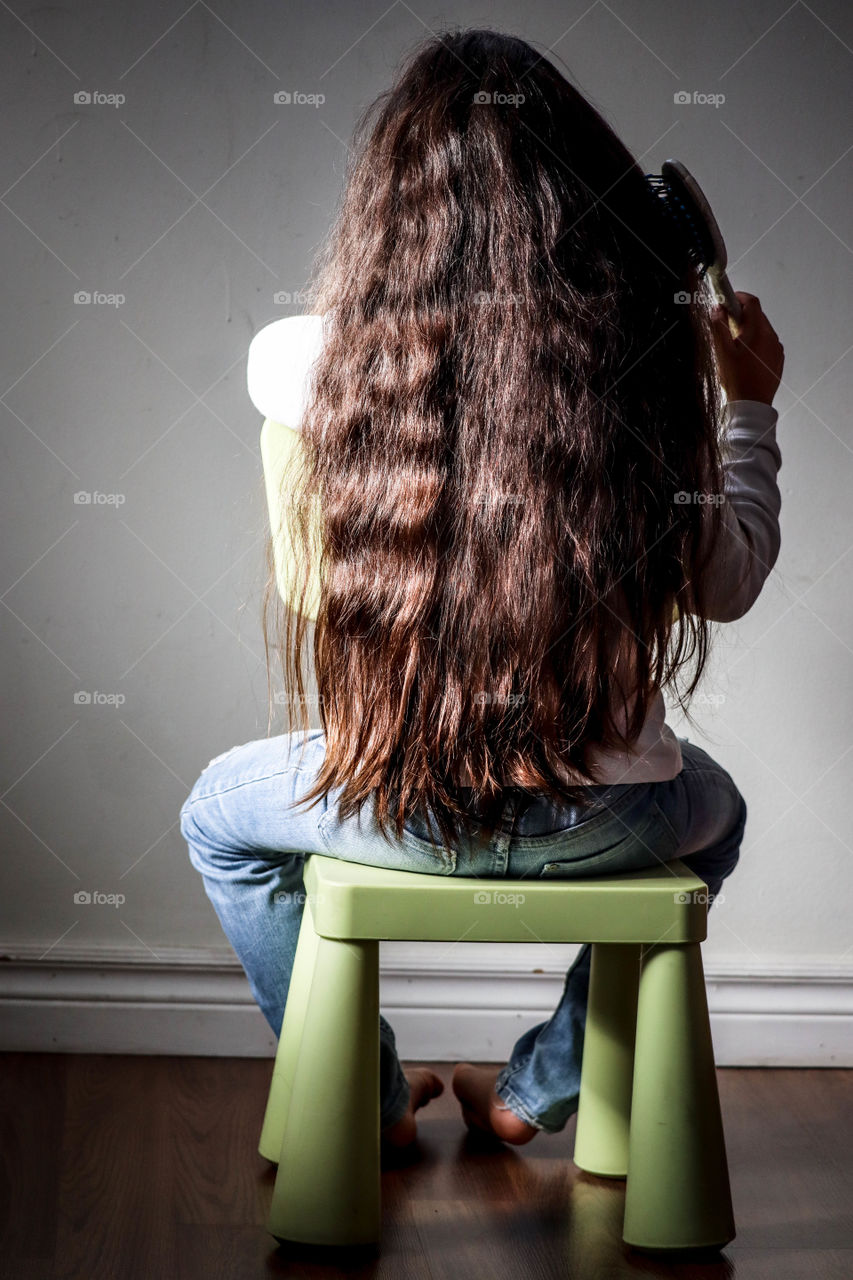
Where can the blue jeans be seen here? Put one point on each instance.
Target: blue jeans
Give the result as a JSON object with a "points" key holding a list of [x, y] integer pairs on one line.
{"points": [[249, 846]]}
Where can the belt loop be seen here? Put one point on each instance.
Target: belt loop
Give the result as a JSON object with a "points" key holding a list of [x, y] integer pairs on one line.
{"points": [[504, 833]]}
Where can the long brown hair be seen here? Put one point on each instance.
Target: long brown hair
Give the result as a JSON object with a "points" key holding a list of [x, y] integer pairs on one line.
{"points": [[509, 398]]}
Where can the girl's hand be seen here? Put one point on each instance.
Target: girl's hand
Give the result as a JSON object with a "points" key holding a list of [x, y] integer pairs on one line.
{"points": [[750, 365]]}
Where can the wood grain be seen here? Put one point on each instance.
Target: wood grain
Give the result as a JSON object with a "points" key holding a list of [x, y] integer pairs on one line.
{"points": [[118, 1168]]}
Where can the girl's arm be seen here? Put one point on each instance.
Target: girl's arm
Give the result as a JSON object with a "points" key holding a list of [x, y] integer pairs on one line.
{"points": [[750, 368], [279, 360], [750, 539]]}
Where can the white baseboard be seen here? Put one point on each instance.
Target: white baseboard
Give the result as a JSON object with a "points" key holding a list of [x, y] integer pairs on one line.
{"points": [[470, 1006]]}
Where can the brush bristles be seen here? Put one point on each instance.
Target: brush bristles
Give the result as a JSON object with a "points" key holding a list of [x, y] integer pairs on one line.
{"points": [[680, 212]]}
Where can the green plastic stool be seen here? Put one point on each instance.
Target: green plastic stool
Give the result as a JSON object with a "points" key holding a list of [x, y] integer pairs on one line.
{"points": [[648, 1109]]}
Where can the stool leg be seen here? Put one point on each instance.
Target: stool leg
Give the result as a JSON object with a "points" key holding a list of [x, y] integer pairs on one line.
{"points": [[678, 1193], [604, 1107], [290, 1036], [327, 1189]]}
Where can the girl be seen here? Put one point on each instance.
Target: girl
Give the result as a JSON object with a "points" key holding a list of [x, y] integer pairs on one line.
{"points": [[519, 507]]}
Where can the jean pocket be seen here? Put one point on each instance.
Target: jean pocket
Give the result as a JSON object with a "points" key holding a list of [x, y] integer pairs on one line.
{"points": [[601, 864], [358, 839], [646, 841], [433, 858]]}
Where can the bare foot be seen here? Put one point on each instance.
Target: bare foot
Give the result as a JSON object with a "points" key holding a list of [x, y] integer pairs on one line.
{"points": [[482, 1106], [424, 1085]]}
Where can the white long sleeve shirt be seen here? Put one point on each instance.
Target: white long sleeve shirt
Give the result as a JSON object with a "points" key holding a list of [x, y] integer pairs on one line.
{"points": [[279, 362]]}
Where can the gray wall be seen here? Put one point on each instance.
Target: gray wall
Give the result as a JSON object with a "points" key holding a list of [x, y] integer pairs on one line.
{"points": [[198, 199]]}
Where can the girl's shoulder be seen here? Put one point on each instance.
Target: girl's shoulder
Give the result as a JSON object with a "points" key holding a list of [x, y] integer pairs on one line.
{"points": [[279, 360]]}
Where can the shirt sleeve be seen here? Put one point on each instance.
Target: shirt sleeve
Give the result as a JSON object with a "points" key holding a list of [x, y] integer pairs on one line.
{"points": [[750, 536], [281, 449], [279, 364], [277, 374]]}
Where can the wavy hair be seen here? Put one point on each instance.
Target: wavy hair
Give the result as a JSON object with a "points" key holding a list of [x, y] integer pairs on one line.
{"points": [[509, 396]]}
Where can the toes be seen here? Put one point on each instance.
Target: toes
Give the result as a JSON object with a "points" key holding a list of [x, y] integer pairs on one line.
{"points": [[424, 1088], [459, 1072]]}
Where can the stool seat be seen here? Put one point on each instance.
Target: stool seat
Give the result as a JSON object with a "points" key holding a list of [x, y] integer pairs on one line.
{"points": [[352, 900], [648, 1109]]}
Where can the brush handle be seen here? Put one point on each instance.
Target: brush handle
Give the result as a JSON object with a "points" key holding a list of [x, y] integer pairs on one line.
{"points": [[725, 294]]}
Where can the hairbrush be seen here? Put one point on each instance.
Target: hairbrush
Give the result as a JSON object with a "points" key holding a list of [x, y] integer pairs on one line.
{"points": [[688, 213]]}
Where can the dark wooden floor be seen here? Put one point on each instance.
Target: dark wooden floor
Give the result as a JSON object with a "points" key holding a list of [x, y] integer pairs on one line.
{"points": [[126, 1167]]}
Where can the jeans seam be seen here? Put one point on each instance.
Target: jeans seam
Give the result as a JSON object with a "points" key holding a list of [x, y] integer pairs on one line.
{"points": [[711, 773], [518, 1107], [664, 818], [247, 782]]}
